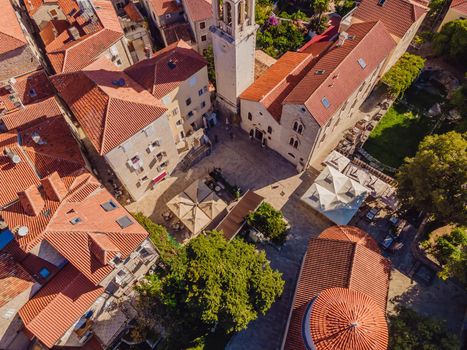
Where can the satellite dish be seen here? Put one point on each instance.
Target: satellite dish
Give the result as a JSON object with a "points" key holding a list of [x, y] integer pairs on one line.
{"points": [[16, 159], [23, 231]]}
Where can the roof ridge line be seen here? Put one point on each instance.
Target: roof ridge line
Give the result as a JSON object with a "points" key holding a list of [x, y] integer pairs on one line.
{"points": [[345, 57], [354, 249], [293, 71], [105, 121]]}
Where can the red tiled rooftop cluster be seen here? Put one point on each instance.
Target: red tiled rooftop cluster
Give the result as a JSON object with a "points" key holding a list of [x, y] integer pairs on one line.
{"points": [[344, 258]]}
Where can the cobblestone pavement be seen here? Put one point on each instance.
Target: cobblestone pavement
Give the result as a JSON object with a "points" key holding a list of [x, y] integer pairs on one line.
{"points": [[245, 163]]}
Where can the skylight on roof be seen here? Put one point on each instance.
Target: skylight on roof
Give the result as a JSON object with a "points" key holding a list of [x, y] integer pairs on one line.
{"points": [[109, 205], [124, 221], [325, 102], [320, 72], [381, 2], [76, 220], [362, 63]]}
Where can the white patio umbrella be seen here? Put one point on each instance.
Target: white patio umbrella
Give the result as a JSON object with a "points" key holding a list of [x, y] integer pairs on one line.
{"points": [[212, 205], [197, 191], [195, 220], [180, 204]]}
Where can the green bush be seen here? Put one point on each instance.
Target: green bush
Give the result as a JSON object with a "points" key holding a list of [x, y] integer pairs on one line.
{"points": [[269, 221], [452, 41], [165, 244], [403, 73]]}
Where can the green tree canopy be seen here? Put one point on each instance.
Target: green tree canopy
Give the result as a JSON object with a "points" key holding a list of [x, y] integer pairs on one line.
{"points": [[451, 252], [277, 40], [212, 281], [452, 41], [459, 98], [209, 55], [269, 221], [403, 73], [434, 179], [410, 331]]}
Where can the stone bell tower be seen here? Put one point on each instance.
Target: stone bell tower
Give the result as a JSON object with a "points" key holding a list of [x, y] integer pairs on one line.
{"points": [[234, 42]]}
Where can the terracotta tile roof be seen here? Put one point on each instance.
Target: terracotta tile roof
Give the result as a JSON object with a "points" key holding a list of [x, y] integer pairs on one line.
{"points": [[234, 220], [33, 5], [178, 31], [60, 153], [54, 187], [341, 71], [32, 114], [11, 34], [162, 7], [198, 10], [101, 106], [59, 304], [15, 279], [31, 200], [39, 82], [331, 263], [155, 75], [351, 234], [459, 5], [397, 15], [341, 318], [278, 81], [78, 54], [52, 30], [18, 176], [133, 13], [107, 15]]}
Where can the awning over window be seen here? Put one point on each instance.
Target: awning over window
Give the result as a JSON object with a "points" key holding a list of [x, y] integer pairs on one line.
{"points": [[159, 178]]}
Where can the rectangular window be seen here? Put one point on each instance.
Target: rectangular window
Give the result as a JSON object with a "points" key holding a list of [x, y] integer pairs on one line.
{"points": [[32, 93], [203, 38], [190, 114], [175, 111], [178, 122], [202, 25], [205, 88], [144, 179], [188, 101], [325, 102], [203, 104], [200, 92]]}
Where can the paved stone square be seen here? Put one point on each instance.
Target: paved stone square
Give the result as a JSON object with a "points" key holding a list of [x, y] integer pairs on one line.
{"points": [[245, 163]]}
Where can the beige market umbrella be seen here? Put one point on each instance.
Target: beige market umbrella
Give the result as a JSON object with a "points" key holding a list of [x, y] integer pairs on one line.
{"points": [[180, 204], [195, 220], [212, 205], [197, 191]]}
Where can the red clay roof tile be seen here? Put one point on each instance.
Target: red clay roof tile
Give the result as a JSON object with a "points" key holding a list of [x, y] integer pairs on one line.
{"points": [[460, 5], [133, 13], [342, 74], [101, 105], [331, 263], [31, 200], [351, 234], [162, 7], [397, 15], [11, 34], [198, 10], [155, 75], [341, 318], [54, 187], [59, 304], [15, 279]]}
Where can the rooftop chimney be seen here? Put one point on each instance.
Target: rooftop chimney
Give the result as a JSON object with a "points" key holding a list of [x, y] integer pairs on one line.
{"points": [[31, 201], [54, 187], [102, 247], [73, 31], [14, 158], [343, 36]]}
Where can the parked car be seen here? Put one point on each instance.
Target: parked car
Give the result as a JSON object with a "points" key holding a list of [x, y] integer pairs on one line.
{"points": [[387, 242]]}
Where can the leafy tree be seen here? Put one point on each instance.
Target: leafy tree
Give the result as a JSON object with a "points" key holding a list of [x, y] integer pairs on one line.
{"points": [[269, 221], [410, 331], [214, 282], [319, 8], [459, 98], [403, 73], [159, 236], [452, 41], [276, 40], [434, 179], [451, 252], [343, 7], [436, 6], [209, 55]]}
